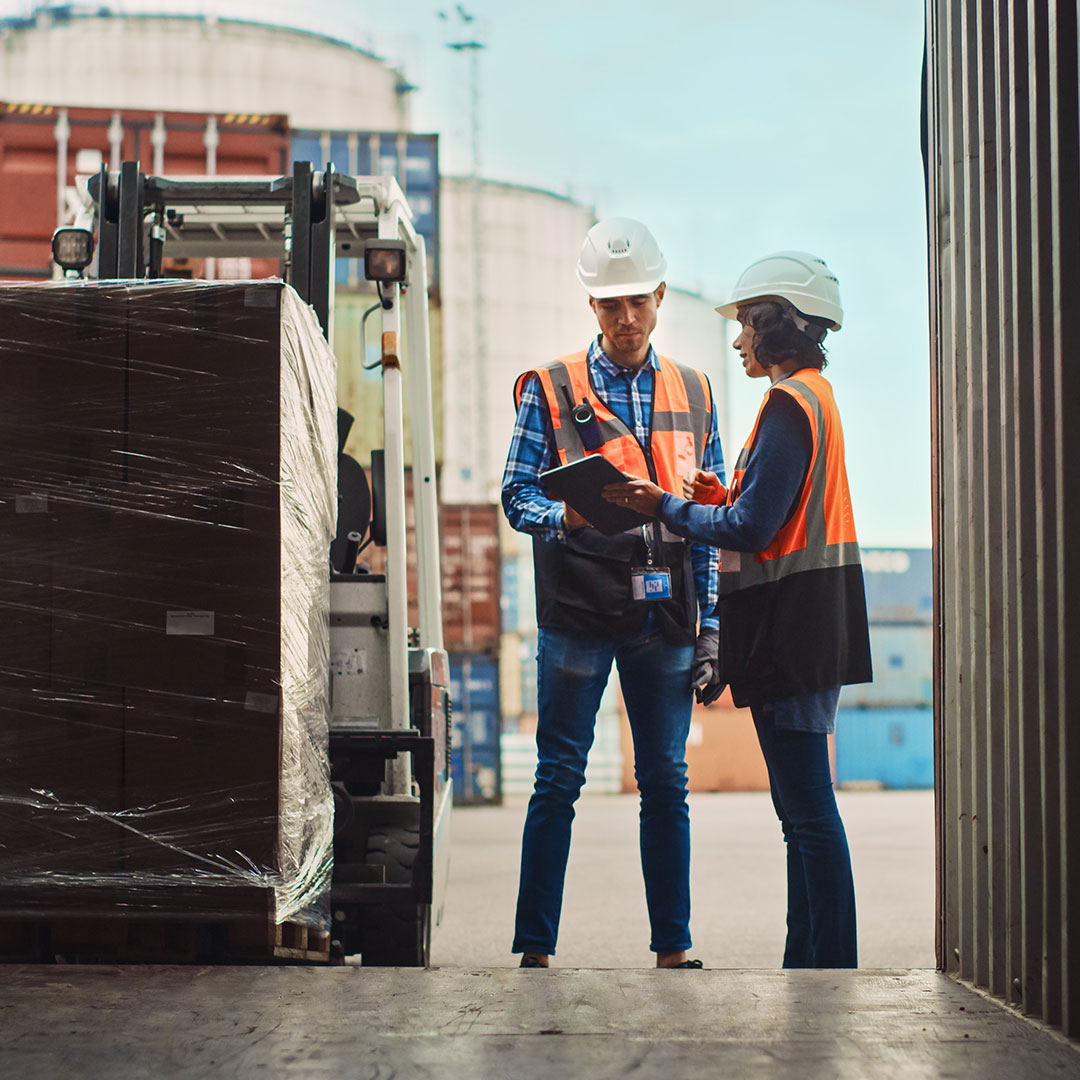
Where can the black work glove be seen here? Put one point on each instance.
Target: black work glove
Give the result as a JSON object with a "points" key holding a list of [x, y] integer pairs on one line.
{"points": [[705, 669]]}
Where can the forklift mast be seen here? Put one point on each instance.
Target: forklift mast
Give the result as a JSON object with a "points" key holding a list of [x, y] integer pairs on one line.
{"points": [[389, 724], [127, 198]]}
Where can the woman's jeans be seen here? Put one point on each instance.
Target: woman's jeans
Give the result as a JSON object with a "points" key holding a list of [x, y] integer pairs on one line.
{"points": [[655, 680], [821, 892]]}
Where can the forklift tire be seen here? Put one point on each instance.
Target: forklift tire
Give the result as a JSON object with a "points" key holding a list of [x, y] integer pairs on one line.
{"points": [[396, 935]]}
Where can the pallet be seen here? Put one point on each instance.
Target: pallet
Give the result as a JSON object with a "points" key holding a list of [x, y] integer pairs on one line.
{"points": [[119, 940]]}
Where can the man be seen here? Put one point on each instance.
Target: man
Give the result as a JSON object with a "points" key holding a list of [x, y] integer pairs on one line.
{"points": [[656, 420]]}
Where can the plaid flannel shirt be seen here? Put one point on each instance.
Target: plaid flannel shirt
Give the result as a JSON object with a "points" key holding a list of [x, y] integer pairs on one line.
{"points": [[629, 396]]}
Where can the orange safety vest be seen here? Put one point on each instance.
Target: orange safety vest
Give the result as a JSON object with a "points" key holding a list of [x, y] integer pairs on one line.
{"points": [[681, 419], [793, 616], [583, 585]]}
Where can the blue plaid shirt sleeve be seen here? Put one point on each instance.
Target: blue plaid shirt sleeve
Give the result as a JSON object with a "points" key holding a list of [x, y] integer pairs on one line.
{"points": [[528, 507], [703, 558]]}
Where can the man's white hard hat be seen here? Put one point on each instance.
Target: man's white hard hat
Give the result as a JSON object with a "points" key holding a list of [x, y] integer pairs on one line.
{"points": [[802, 279], [620, 257]]}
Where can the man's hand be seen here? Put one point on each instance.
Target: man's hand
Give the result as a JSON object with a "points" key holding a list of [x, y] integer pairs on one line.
{"points": [[572, 519], [639, 495], [704, 487], [705, 669]]}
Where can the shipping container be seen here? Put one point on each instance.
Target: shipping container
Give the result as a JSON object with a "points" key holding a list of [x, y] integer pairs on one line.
{"points": [[890, 748], [603, 770], [722, 751], [899, 584], [43, 148], [410, 157], [1002, 156], [475, 759], [471, 579], [903, 659], [470, 585]]}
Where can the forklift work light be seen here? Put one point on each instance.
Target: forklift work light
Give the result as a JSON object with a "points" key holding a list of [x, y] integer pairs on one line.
{"points": [[73, 248], [384, 260]]}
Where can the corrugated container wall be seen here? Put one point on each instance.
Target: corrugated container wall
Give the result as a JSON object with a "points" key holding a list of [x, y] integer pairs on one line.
{"points": [[202, 64], [1003, 173]]}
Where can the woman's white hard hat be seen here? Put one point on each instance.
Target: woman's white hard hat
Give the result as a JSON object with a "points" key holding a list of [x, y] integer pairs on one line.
{"points": [[802, 279], [620, 257]]}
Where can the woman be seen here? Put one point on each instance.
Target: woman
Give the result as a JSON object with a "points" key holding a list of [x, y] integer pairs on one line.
{"points": [[792, 610]]}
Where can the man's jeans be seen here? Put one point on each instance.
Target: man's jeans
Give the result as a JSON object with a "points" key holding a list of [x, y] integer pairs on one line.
{"points": [[821, 892], [655, 679]]}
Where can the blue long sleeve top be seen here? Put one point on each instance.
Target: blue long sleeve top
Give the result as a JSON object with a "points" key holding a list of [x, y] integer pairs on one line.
{"points": [[774, 477], [770, 487]]}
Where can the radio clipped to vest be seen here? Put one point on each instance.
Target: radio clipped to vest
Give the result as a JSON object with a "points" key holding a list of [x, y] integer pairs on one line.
{"points": [[650, 582], [587, 426]]}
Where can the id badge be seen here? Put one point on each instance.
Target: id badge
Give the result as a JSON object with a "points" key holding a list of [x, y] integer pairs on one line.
{"points": [[651, 582]]}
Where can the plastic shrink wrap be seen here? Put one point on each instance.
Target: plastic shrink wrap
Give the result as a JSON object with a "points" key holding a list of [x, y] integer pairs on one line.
{"points": [[167, 499]]}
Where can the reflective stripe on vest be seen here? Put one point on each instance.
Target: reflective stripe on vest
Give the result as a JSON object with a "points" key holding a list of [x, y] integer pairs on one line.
{"points": [[821, 532], [680, 422]]}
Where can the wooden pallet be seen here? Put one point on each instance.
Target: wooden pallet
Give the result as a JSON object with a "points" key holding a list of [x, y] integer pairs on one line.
{"points": [[85, 939]]}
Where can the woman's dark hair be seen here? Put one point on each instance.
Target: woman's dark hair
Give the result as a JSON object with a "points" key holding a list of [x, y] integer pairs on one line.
{"points": [[777, 337]]}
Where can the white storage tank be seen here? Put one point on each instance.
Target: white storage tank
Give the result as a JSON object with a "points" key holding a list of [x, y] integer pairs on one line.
{"points": [[197, 63], [526, 308]]}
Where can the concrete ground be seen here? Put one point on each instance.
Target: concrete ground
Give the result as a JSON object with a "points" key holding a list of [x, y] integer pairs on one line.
{"points": [[737, 882]]}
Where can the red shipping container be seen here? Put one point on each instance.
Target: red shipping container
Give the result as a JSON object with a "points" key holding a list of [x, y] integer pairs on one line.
{"points": [[471, 586], [29, 147]]}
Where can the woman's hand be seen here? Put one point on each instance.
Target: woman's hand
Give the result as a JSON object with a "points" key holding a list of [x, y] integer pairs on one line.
{"points": [[704, 487], [639, 495]]}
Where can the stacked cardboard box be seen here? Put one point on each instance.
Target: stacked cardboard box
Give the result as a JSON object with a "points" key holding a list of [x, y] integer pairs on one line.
{"points": [[167, 499]]}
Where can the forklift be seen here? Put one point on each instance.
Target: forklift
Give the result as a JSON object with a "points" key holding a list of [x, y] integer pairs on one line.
{"points": [[389, 741]]}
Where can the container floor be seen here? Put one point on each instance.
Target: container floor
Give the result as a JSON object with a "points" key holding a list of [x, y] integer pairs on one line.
{"points": [[189, 1022]]}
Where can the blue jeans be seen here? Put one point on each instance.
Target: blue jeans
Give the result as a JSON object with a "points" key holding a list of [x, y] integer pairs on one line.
{"points": [[821, 891], [655, 680]]}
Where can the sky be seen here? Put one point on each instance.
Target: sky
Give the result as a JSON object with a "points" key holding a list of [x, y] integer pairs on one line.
{"points": [[732, 130]]}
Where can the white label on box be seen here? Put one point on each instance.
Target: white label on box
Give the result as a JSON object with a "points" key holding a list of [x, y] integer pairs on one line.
{"points": [[31, 504], [261, 296], [267, 703], [190, 623]]}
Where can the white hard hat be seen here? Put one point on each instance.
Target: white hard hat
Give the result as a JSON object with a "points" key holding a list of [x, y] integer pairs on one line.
{"points": [[620, 257], [803, 280]]}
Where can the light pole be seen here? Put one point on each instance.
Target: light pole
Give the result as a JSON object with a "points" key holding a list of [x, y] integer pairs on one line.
{"points": [[475, 463], [465, 41]]}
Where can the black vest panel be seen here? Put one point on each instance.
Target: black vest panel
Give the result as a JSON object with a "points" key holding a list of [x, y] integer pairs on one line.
{"points": [[806, 632], [583, 587]]}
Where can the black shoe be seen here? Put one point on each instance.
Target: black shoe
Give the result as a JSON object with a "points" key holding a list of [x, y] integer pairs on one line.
{"points": [[694, 965], [531, 962]]}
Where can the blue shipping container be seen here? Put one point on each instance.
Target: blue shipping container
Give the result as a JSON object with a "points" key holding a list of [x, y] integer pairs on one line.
{"points": [[419, 177], [893, 747], [475, 762], [899, 584], [903, 659]]}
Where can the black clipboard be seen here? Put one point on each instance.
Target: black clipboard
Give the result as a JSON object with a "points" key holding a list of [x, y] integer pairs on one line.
{"points": [[581, 484]]}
